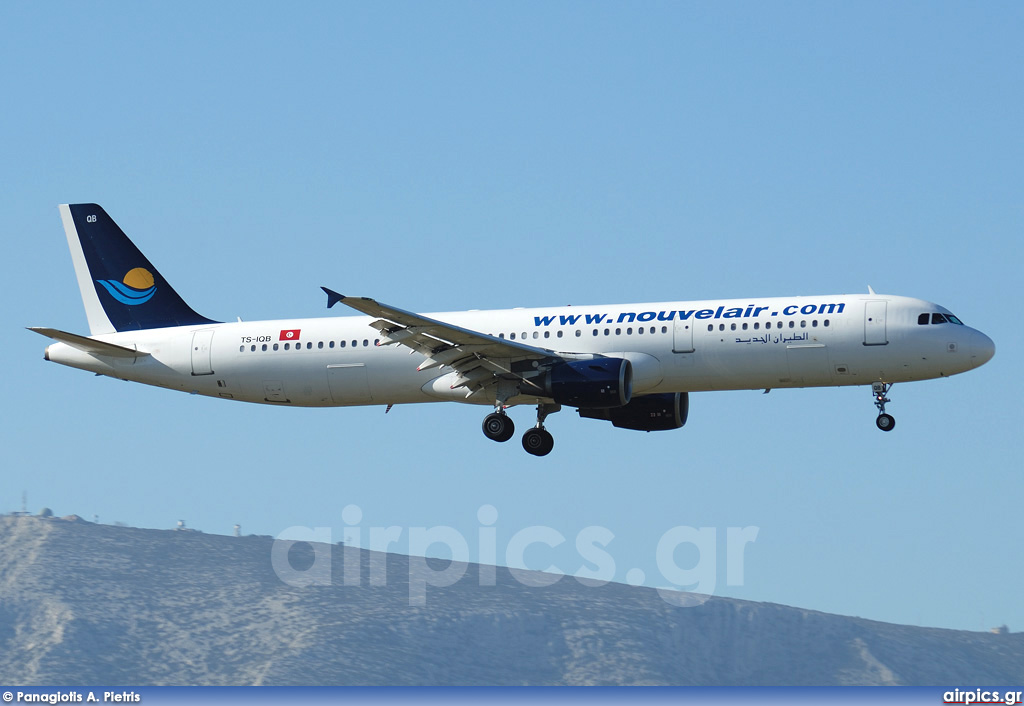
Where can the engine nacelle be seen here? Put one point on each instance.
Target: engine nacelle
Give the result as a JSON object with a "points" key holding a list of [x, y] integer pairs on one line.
{"points": [[647, 412], [598, 383]]}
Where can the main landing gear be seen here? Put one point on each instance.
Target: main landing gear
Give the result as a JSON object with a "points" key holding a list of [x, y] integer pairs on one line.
{"points": [[885, 422], [498, 426], [537, 440]]}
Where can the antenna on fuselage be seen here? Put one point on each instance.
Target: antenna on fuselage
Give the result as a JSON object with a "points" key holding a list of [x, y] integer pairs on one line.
{"points": [[870, 290]]}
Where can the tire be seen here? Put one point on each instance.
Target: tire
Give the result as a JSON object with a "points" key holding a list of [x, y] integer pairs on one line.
{"points": [[538, 442], [885, 422], [498, 427]]}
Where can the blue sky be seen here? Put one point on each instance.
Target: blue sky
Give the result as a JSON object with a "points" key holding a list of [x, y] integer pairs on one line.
{"points": [[469, 155]]}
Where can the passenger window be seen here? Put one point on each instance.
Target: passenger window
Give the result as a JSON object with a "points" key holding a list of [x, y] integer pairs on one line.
{"points": [[286, 346], [792, 324], [559, 334], [366, 342], [664, 329], [744, 327], [595, 332], [629, 331], [607, 332], [253, 349], [922, 319], [355, 343], [732, 326], [711, 327], [264, 346], [640, 330], [803, 324], [814, 323], [512, 336], [275, 346], [536, 334], [826, 322], [578, 333], [768, 324], [320, 345], [618, 332], [241, 349], [501, 335], [342, 344], [756, 325], [547, 334]]}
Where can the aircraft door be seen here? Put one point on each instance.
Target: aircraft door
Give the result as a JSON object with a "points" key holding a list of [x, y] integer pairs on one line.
{"points": [[202, 344], [682, 336], [349, 383], [874, 324], [273, 391], [808, 364]]}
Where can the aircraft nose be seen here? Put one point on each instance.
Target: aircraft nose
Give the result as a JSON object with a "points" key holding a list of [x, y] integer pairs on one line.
{"points": [[982, 349]]}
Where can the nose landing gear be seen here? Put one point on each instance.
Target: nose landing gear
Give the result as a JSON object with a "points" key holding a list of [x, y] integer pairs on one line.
{"points": [[885, 422]]}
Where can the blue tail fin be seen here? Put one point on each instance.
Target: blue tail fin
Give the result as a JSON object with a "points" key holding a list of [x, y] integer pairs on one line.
{"points": [[121, 289]]}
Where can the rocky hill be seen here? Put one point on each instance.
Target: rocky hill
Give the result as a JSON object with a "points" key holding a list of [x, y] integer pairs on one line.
{"points": [[85, 604]]}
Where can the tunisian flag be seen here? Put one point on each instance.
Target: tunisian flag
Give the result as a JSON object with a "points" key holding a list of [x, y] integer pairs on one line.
{"points": [[290, 334]]}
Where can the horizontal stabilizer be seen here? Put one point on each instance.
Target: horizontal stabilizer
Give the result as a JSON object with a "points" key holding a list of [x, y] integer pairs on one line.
{"points": [[89, 345]]}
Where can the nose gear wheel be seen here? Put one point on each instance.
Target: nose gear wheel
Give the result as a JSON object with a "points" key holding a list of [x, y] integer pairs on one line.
{"points": [[885, 422]]}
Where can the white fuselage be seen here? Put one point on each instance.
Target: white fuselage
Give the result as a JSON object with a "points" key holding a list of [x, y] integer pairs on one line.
{"points": [[673, 347]]}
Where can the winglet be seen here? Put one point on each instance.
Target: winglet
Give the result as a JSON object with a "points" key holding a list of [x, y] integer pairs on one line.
{"points": [[332, 297]]}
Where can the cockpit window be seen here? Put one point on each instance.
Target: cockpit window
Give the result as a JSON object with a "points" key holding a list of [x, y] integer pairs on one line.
{"points": [[937, 318]]}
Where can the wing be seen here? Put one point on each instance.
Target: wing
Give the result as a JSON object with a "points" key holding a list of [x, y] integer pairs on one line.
{"points": [[480, 360]]}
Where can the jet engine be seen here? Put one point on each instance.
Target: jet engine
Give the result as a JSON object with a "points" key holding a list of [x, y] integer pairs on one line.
{"points": [[659, 412], [595, 384]]}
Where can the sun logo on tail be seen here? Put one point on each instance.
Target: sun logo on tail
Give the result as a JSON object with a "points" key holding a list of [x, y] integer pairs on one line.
{"points": [[137, 287]]}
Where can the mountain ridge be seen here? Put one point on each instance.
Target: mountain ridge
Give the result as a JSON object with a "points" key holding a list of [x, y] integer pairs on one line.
{"points": [[82, 603]]}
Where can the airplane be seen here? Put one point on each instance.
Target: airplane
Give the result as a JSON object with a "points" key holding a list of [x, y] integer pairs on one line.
{"points": [[633, 365]]}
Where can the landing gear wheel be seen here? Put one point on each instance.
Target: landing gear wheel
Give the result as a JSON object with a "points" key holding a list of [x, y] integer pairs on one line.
{"points": [[498, 427], [538, 442], [885, 422]]}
